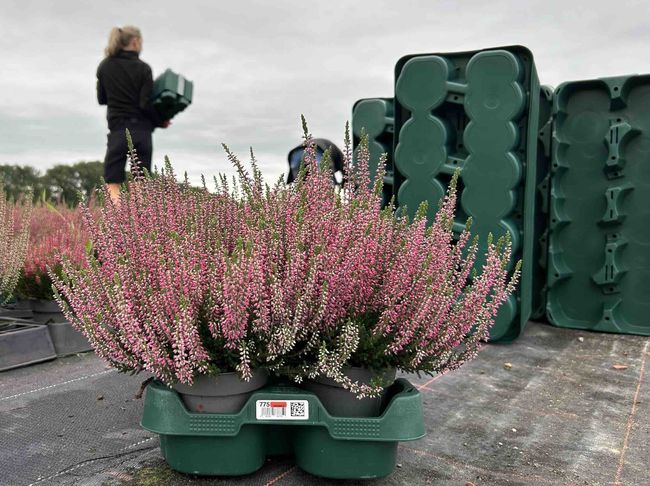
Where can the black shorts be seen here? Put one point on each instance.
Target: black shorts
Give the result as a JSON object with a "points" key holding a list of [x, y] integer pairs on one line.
{"points": [[117, 148]]}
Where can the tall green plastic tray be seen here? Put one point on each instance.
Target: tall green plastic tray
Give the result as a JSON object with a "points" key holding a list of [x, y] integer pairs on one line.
{"points": [[238, 444], [542, 194], [478, 111], [376, 117], [599, 245]]}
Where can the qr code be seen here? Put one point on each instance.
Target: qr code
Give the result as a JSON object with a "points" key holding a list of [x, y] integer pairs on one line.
{"points": [[297, 409]]}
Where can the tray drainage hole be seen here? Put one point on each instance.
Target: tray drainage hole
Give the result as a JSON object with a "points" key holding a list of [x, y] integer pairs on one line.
{"points": [[616, 88], [607, 318], [553, 220], [455, 97], [611, 289], [554, 165], [557, 274], [618, 120], [613, 157], [609, 250]]}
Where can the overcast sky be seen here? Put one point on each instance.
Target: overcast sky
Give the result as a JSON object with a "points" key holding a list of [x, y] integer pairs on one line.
{"points": [[257, 65]]}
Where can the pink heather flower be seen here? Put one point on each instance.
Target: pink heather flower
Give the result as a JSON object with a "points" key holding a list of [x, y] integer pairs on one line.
{"points": [[14, 235], [56, 232], [303, 279]]}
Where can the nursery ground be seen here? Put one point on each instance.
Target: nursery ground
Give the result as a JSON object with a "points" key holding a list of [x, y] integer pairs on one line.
{"points": [[555, 407]]}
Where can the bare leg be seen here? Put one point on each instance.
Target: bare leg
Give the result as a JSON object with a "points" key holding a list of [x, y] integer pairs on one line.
{"points": [[114, 192]]}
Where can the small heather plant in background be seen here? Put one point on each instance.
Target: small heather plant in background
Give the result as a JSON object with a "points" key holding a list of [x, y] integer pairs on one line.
{"points": [[14, 235], [303, 279], [55, 232]]}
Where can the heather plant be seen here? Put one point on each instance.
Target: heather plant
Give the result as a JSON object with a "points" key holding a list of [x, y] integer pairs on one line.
{"points": [[354, 285], [14, 235], [155, 293], [303, 279], [56, 231]]}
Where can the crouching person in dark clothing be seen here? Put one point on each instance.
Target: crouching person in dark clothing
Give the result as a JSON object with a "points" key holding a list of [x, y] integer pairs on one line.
{"points": [[124, 84]]}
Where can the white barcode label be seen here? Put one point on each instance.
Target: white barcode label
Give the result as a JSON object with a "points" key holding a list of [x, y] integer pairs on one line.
{"points": [[282, 410]]}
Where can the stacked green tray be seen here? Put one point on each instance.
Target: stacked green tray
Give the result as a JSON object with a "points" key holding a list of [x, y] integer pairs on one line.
{"points": [[599, 243], [478, 111], [542, 182], [172, 93], [375, 116], [323, 445]]}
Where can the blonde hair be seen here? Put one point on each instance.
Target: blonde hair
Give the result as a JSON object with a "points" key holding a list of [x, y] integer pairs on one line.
{"points": [[119, 38]]}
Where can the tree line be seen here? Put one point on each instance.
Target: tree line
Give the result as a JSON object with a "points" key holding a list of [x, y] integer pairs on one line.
{"points": [[59, 184]]}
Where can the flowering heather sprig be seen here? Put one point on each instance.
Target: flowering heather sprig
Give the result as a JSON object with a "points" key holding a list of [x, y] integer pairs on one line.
{"points": [[14, 235], [303, 279], [134, 162]]}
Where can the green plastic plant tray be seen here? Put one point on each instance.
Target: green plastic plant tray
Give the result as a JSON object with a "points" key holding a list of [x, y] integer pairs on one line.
{"points": [[478, 111], [543, 169], [599, 241], [376, 117], [326, 446], [172, 93]]}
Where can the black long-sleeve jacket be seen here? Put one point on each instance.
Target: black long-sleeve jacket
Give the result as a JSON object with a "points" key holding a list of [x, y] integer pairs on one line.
{"points": [[124, 84]]}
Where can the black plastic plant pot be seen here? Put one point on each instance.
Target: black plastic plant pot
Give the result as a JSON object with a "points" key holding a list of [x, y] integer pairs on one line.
{"points": [[341, 403], [66, 339], [224, 393], [282, 420], [46, 311], [23, 343]]}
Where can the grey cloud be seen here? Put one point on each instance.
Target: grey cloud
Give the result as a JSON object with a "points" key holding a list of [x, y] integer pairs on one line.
{"points": [[258, 65]]}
